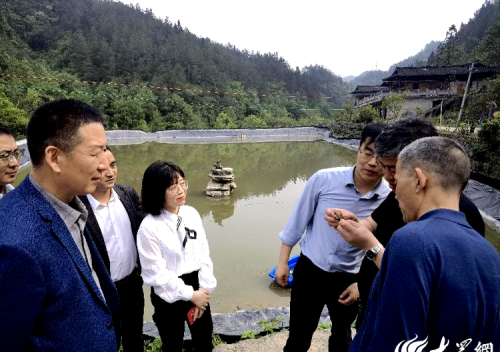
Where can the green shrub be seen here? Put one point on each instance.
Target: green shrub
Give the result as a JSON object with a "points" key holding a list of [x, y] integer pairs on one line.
{"points": [[490, 134], [216, 340], [325, 326], [154, 346], [367, 114], [249, 335], [346, 130]]}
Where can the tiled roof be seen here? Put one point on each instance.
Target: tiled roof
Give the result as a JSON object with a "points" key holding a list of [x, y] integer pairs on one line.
{"points": [[369, 89], [407, 72]]}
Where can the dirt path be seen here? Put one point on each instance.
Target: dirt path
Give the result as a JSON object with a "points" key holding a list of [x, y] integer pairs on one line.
{"points": [[275, 343]]}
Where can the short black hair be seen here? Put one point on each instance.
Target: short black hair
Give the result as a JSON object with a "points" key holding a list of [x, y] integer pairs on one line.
{"points": [[5, 130], [397, 135], [371, 132], [159, 176], [57, 123]]}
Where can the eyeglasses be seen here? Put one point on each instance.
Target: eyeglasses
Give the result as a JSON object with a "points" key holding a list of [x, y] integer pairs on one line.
{"points": [[391, 168], [8, 157], [183, 185], [365, 155]]}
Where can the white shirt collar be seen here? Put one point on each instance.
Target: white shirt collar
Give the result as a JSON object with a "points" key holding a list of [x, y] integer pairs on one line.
{"points": [[94, 203], [8, 188], [170, 218]]}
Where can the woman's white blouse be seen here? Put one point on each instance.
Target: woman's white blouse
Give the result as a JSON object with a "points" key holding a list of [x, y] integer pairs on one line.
{"points": [[163, 258]]}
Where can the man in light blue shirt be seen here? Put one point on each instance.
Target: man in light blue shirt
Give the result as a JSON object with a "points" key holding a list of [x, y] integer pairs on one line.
{"points": [[328, 265]]}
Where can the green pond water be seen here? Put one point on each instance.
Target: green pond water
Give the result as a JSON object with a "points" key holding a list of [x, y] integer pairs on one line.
{"points": [[243, 229]]}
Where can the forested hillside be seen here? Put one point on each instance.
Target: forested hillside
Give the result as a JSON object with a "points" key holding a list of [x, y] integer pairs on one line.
{"points": [[106, 41], [374, 77], [477, 40]]}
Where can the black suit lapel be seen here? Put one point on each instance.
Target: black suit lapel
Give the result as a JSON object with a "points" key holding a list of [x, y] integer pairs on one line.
{"points": [[129, 207], [95, 232]]}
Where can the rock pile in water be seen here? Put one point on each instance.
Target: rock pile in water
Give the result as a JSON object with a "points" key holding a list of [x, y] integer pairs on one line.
{"points": [[221, 182]]}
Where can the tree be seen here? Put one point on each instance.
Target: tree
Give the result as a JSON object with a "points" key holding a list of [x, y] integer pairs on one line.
{"points": [[394, 103], [451, 52], [225, 121], [13, 117], [488, 50], [253, 121]]}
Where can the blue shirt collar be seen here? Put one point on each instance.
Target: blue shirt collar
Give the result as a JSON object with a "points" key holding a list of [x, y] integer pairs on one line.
{"points": [[376, 192], [446, 214]]}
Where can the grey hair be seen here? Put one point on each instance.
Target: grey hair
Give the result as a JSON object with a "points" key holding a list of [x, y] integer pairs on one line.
{"points": [[442, 157]]}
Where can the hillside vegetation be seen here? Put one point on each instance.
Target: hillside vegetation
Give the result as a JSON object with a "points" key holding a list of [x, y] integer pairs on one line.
{"points": [[106, 41]]}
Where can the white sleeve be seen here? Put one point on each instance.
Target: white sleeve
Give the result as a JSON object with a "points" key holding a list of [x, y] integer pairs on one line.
{"points": [[206, 275], [155, 273]]}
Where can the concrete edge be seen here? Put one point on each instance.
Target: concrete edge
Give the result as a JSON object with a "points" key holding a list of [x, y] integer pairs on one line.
{"points": [[490, 221]]}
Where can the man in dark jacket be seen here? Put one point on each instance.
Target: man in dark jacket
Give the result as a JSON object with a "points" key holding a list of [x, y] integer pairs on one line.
{"points": [[56, 294], [114, 218]]}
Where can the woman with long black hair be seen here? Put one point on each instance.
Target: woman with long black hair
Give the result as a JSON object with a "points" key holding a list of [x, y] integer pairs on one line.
{"points": [[175, 259]]}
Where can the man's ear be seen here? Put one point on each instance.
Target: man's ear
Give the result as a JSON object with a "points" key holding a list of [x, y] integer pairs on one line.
{"points": [[422, 179], [53, 158]]}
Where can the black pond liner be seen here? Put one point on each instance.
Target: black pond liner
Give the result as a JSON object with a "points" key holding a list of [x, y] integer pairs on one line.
{"points": [[484, 196]]}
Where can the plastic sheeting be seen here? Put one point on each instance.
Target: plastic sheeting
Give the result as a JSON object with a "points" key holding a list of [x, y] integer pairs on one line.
{"points": [[485, 197]]}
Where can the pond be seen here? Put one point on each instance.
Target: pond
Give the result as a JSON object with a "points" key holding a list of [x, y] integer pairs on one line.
{"points": [[243, 229]]}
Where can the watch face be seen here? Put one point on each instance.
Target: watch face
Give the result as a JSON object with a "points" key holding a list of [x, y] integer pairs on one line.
{"points": [[371, 255]]}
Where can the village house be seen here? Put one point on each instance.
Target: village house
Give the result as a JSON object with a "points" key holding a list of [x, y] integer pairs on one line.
{"points": [[427, 89]]}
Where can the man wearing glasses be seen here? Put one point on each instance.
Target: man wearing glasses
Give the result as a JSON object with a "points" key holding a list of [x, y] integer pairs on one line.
{"points": [[328, 265], [10, 156], [114, 218]]}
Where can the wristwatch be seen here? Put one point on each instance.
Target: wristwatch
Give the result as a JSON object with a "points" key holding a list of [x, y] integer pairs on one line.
{"points": [[372, 253]]}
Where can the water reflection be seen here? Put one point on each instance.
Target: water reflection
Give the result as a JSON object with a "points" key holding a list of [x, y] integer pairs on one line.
{"points": [[242, 229]]}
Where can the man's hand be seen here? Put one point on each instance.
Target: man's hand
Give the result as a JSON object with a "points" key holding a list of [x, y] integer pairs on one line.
{"points": [[350, 295], [357, 235], [333, 216], [282, 274]]}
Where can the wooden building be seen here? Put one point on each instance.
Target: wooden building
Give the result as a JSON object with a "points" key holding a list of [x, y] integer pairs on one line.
{"points": [[451, 78], [426, 87]]}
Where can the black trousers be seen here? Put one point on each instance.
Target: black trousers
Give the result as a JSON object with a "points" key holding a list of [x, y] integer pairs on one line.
{"points": [[131, 312], [312, 289], [170, 317]]}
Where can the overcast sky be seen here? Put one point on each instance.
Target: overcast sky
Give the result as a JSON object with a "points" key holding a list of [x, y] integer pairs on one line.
{"points": [[346, 36]]}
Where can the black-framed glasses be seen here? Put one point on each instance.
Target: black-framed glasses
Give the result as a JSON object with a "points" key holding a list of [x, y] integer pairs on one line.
{"points": [[183, 185], [189, 234], [366, 155], [8, 157]]}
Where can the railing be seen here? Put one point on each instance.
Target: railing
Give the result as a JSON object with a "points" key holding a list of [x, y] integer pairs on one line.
{"points": [[414, 93]]}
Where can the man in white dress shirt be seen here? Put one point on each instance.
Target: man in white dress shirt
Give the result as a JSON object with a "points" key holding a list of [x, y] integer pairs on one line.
{"points": [[10, 156], [114, 218]]}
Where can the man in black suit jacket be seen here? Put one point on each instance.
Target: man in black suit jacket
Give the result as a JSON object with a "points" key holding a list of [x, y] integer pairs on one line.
{"points": [[114, 218]]}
